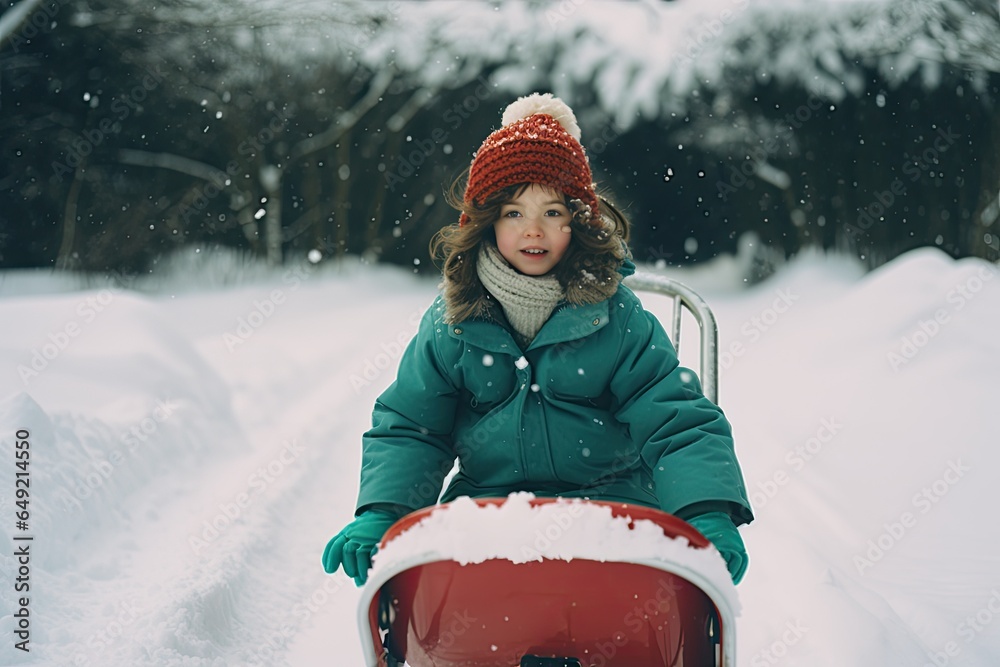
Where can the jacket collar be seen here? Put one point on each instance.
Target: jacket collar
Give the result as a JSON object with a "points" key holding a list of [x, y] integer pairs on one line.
{"points": [[571, 323], [568, 322]]}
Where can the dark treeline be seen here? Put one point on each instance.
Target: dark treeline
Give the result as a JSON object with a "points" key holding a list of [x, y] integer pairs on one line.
{"points": [[126, 135]]}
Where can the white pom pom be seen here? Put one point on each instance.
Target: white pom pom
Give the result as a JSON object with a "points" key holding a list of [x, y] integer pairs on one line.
{"points": [[542, 103]]}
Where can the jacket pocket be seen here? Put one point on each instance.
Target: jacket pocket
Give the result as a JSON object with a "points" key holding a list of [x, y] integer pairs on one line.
{"points": [[486, 383]]}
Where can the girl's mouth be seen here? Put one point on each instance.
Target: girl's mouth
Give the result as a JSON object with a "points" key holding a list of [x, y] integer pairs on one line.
{"points": [[534, 252]]}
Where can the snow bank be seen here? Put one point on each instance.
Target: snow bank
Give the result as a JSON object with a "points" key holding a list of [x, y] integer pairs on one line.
{"points": [[112, 396], [118, 409], [861, 410], [107, 353]]}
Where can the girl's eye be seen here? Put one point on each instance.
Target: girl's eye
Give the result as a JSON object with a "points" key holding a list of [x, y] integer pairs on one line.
{"points": [[550, 213]]}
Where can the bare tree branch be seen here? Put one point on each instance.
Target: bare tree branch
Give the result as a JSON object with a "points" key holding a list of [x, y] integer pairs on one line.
{"points": [[405, 114], [174, 163], [15, 16], [64, 259], [347, 120]]}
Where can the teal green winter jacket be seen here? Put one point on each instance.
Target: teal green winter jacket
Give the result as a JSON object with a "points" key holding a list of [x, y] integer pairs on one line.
{"points": [[595, 406]]}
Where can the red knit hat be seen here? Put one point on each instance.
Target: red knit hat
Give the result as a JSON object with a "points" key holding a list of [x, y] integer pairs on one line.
{"points": [[538, 142]]}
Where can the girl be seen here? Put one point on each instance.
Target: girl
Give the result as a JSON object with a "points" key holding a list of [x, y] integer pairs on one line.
{"points": [[536, 368]]}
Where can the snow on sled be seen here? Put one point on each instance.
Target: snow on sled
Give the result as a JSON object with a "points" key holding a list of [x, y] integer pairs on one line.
{"points": [[544, 582]]}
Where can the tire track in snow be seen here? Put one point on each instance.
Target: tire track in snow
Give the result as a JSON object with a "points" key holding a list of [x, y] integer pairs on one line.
{"points": [[256, 586]]}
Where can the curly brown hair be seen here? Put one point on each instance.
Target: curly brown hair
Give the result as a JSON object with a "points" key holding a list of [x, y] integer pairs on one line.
{"points": [[587, 272]]}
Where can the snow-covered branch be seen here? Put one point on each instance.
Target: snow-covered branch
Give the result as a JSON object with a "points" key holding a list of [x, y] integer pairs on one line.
{"points": [[172, 162], [645, 60]]}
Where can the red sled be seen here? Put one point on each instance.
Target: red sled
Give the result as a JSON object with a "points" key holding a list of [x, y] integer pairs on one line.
{"points": [[429, 608]]}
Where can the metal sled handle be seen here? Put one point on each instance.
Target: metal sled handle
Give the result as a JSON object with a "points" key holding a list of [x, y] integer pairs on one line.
{"points": [[681, 294]]}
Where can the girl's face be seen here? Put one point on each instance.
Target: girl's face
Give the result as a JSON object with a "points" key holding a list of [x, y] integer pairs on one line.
{"points": [[533, 231]]}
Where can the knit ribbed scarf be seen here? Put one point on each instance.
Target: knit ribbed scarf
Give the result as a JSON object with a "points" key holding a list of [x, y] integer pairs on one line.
{"points": [[527, 301]]}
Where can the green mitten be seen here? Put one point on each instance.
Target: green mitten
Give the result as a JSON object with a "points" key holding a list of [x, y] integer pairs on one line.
{"points": [[721, 532], [354, 546]]}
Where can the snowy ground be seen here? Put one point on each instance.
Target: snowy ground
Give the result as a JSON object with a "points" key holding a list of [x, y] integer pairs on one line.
{"points": [[193, 448]]}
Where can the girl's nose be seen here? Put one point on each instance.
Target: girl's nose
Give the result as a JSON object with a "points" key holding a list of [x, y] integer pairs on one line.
{"points": [[533, 227]]}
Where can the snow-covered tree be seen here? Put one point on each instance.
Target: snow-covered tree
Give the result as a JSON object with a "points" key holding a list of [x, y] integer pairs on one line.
{"points": [[288, 127]]}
